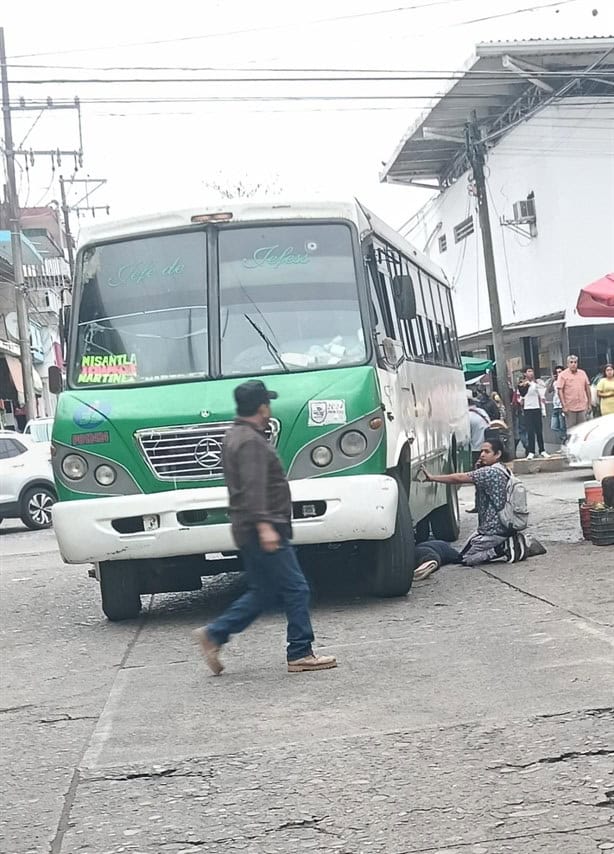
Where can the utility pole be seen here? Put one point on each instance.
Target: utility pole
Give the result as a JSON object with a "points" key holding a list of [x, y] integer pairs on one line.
{"points": [[23, 323], [476, 155], [69, 245]]}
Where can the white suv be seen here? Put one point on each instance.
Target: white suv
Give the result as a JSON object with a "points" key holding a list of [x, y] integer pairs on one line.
{"points": [[27, 491]]}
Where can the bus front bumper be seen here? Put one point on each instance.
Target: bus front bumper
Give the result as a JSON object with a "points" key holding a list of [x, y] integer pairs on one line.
{"points": [[348, 508]]}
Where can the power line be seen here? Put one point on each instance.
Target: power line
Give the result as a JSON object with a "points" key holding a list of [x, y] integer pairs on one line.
{"points": [[494, 79], [302, 24], [500, 74]]}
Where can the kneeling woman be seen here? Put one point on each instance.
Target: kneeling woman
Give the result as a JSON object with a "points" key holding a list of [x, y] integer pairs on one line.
{"points": [[491, 540]]}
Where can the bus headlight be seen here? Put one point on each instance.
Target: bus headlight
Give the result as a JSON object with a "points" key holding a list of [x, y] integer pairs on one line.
{"points": [[105, 475], [353, 443], [321, 456], [74, 466]]}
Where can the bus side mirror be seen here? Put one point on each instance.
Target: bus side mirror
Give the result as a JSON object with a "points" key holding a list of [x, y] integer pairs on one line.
{"points": [[56, 383], [404, 297]]}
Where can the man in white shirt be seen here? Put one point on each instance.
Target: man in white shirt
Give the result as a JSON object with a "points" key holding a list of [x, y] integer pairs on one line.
{"points": [[534, 406]]}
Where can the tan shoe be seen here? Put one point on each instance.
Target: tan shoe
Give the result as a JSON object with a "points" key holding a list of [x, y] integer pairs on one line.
{"points": [[312, 662], [425, 569], [210, 650]]}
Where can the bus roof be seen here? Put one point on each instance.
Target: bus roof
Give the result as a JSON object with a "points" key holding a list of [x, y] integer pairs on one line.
{"points": [[258, 210]]}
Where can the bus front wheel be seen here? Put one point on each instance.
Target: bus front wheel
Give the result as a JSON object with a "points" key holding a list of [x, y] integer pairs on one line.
{"points": [[119, 589], [445, 521], [394, 558]]}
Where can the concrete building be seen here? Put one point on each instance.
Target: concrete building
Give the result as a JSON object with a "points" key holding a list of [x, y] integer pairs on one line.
{"points": [[546, 109], [46, 278]]}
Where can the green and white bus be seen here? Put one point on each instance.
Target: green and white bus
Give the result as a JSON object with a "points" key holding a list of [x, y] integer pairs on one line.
{"points": [[352, 326]]}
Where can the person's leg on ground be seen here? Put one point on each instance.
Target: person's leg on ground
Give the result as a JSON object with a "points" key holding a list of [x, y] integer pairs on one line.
{"points": [[427, 561], [445, 551]]}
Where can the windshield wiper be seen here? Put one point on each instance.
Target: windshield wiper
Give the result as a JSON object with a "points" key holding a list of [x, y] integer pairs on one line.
{"points": [[269, 344]]}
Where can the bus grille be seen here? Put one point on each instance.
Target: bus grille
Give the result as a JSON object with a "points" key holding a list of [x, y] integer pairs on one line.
{"points": [[193, 452]]}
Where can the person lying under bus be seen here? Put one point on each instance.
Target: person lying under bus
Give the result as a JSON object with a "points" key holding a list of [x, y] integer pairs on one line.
{"points": [[492, 540]]}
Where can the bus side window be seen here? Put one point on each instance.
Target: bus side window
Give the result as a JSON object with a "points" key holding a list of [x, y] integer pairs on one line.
{"points": [[383, 287], [376, 305]]}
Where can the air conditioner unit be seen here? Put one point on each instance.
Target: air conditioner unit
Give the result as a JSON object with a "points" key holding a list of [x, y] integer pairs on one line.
{"points": [[524, 211]]}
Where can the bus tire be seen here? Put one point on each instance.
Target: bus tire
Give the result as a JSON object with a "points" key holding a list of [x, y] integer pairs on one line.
{"points": [[119, 590], [445, 521], [395, 557]]}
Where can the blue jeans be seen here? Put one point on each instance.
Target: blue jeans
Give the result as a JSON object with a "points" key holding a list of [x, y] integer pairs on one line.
{"points": [[274, 578], [437, 550], [558, 425]]}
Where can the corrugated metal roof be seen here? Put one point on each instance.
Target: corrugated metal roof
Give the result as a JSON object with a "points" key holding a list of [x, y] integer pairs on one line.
{"points": [[492, 82]]}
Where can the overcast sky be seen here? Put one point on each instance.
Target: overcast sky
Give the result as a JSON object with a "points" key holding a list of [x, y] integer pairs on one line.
{"points": [[162, 155]]}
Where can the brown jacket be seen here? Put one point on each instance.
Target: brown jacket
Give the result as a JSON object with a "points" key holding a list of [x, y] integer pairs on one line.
{"points": [[257, 485]]}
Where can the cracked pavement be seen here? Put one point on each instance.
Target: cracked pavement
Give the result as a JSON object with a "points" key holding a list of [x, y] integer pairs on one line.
{"points": [[474, 717]]}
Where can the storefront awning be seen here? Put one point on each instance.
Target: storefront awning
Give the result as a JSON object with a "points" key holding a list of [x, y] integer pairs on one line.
{"points": [[476, 366], [597, 299], [14, 366], [30, 256]]}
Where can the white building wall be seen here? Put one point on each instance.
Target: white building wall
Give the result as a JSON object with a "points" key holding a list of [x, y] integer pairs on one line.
{"points": [[565, 155]]}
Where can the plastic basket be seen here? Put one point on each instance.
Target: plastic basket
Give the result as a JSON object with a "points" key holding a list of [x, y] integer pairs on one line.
{"points": [[602, 527]]}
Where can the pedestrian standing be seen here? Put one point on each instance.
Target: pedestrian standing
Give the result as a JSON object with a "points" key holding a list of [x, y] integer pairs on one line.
{"points": [[260, 510], [520, 430], [558, 424], [575, 393], [605, 391], [534, 408], [487, 403]]}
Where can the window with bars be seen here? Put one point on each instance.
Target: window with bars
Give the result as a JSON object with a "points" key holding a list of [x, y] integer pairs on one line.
{"points": [[443, 243]]}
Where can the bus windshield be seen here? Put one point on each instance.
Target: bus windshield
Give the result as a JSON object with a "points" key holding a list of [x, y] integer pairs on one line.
{"points": [[288, 301], [143, 311]]}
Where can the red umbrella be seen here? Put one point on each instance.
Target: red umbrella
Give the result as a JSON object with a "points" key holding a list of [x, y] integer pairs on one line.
{"points": [[597, 299]]}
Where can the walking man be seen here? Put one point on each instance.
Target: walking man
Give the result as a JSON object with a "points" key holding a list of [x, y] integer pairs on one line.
{"points": [[260, 511], [533, 405], [575, 393]]}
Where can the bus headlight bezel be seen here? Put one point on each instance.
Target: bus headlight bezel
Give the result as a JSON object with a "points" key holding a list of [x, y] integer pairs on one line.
{"points": [[321, 456], [101, 471], [80, 466], [353, 436]]}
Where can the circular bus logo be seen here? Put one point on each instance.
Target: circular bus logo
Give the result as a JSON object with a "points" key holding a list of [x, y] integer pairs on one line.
{"points": [[208, 454]]}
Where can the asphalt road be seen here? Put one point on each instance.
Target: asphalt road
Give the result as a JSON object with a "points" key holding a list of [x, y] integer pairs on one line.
{"points": [[473, 717]]}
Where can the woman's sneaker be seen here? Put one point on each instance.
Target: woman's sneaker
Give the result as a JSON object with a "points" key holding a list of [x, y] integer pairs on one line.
{"points": [[428, 567], [515, 548]]}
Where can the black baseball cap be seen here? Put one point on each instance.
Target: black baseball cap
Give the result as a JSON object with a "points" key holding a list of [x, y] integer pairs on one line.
{"points": [[251, 395]]}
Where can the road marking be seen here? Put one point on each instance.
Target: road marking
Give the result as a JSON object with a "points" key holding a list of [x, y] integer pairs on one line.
{"points": [[104, 727]]}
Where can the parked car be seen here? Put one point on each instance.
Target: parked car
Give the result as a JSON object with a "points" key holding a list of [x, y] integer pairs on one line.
{"points": [[27, 491], [589, 441], [39, 429]]}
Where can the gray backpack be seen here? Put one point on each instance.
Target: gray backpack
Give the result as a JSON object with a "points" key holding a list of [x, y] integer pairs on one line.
{"points": [[514, 516]]}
